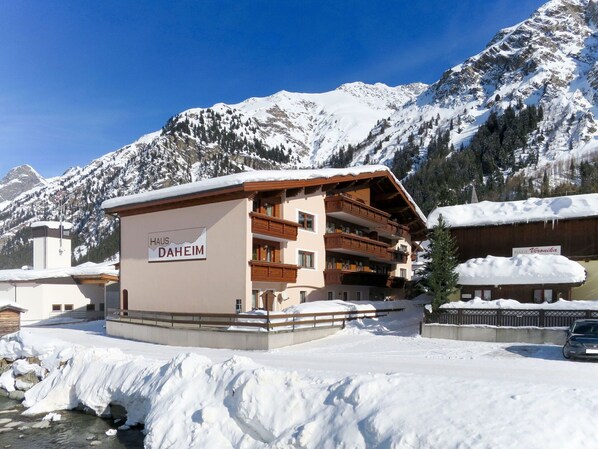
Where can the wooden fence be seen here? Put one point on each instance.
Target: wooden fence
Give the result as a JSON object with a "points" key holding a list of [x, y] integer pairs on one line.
{"points": [[243, 321], [509, 317]]}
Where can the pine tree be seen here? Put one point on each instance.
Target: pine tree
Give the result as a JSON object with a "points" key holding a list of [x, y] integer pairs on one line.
{"points": [[439, 276]]}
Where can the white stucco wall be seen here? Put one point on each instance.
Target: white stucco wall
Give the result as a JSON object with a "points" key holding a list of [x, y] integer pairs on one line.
{"points": [[308, 280], [38, 298], [210, 285]]}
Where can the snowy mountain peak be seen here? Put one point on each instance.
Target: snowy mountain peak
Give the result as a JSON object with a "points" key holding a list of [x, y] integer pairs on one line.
{"points": [[19, 180]]}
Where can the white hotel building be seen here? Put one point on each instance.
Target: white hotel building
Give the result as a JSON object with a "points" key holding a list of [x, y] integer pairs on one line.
{"points": [[267, 239]]}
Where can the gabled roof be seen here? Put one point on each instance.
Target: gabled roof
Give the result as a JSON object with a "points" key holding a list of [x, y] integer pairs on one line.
{"points": [[488, 213], [524, 269], [9, 305], [242, 184]]}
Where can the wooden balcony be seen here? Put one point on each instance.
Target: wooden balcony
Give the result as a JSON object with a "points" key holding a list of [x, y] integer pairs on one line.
{"points": [[369, 278], [272, 272], [354, 211], [273, 227], [356, 245]]}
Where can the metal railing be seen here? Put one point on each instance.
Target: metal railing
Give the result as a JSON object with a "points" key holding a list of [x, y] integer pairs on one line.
{"points": [[243, 321], [509, 317]]}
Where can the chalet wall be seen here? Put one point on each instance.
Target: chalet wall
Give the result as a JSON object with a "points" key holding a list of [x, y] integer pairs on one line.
{"points": [[10, 321], [578, 238]]}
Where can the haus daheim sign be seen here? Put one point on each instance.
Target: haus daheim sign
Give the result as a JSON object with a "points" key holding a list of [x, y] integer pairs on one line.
{"points": [[555, 249], [178, 244]]}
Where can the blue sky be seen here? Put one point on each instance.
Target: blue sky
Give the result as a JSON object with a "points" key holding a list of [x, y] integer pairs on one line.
{"points": [[80, 78]]}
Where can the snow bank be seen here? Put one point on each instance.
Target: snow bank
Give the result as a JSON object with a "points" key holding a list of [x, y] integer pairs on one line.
{"points": [[190, 401], [561, 304], [533, 209], [521, 269]]}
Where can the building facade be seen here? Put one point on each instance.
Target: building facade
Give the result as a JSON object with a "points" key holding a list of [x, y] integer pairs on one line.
{"points": [[561, 226], [267, 239], [52, 290]]}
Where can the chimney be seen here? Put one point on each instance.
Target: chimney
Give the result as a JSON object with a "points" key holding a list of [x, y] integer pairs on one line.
{"points": [[51, 244]]}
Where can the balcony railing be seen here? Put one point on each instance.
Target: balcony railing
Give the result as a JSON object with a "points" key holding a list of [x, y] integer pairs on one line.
{"points": [[369, 278], [273, 227], [262, 271], [354, 244], [379, 220]]}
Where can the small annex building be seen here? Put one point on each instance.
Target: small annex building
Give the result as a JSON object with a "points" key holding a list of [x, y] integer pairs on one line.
{"points": [[10, 317], [535, 250], [52, 290], [267, 240]]}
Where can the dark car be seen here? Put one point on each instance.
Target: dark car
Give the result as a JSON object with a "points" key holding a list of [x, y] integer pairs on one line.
{"points": [[582, 340]]}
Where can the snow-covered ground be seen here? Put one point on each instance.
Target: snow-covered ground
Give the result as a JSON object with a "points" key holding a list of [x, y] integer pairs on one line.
{"points": [[375, 384]]}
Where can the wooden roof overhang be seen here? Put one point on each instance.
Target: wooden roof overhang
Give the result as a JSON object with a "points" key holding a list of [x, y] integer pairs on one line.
{"points": [[386, 193], [95, 279]]}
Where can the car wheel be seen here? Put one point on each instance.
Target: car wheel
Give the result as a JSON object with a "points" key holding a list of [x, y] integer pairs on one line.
{"points": [[566, 352]]}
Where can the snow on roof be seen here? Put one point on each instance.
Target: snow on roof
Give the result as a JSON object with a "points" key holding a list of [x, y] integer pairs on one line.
{"points": [[238, 179], [533, 209], [51, 224], [561, 304], [86, 269], [520, 270], [4, 304]]}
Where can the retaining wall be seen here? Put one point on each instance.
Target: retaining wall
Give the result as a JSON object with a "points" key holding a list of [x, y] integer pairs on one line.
{"points": [[495, 334], [217, 339]]}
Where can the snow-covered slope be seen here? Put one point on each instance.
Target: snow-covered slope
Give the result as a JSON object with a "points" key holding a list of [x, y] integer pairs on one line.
{"points": [[549, 60], [19, 180]]}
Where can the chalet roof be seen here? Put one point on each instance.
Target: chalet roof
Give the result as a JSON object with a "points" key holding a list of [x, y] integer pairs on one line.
{"points": [[260, 180], [8, 305], [88, 270], [488, 213], [51, 224], [523, 269]]}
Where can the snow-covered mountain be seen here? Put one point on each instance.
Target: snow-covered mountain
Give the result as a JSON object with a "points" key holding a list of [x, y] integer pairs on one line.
{"points": [[19, 180], [549, 60]]}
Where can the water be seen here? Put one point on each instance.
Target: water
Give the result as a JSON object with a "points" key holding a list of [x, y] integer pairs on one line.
{"points": [[75, 430]]}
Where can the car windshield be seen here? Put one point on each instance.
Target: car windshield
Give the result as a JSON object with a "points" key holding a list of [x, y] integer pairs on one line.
{"points": [[586, 329]]}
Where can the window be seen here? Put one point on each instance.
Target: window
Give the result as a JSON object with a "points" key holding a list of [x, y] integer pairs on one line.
{"points": [[68, 307], [403, 272], [345, 296], [330, 296], [542, 295], [238, 305], [266, 251], [56, 308], [306, 221], [403, 248], [270, 207], [255, 299], [90, 307], [101, 307], [305, 259], [358, 296], [302, 296], [486, 295]]}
